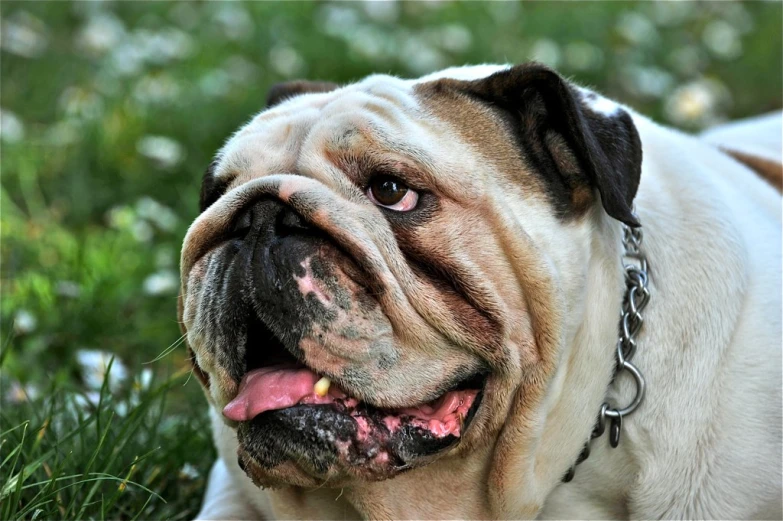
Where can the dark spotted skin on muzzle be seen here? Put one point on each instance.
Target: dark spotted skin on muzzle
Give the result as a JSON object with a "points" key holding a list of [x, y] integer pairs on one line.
{"points": [[326, 438]]}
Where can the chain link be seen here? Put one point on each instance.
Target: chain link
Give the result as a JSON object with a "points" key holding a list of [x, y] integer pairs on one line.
{"points": [[637, 296]]}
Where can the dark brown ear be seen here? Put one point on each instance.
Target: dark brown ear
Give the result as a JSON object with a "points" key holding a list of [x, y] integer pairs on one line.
{"points": [[211, 187], [283, 91], [573, 145]]}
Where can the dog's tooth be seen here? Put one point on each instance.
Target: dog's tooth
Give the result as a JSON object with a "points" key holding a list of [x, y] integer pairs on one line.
{"points": [[321, 387]]}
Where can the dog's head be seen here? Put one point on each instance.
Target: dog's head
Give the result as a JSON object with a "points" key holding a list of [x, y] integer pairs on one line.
{"points": [[422, 244]]}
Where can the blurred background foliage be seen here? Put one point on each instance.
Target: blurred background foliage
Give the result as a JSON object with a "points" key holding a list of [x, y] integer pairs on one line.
{"points": [[110, 112]]}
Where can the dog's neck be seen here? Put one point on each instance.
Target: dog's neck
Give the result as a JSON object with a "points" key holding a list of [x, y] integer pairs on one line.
{"points": [[584, 372], [635, 299]]}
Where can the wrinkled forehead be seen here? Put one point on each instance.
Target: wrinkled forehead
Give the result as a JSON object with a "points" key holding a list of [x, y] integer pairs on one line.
{"points": [[377, 116]]}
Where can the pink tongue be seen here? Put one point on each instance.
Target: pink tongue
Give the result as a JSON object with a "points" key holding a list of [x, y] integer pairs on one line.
{"points": [[268, 389]]}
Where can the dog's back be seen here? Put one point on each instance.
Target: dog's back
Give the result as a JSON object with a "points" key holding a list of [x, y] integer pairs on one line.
{"points": [[756, 142]]}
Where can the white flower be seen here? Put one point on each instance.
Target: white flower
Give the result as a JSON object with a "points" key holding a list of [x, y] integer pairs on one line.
{"points": [[161, 88], [216, 83], [455, 38], [504, 13], [338, 20], [237, 71], [177, 44], [638, 29], [546, 51], [25, 322], [11, 127], [722, 39], [698, 103], [162, 283], [738, 15], [127, 59], [286, 61], [121, 408], [80, 103], [670, 14], [371, 43], [420, 57], [646, 81], [382, 11], [240, 69], [145, 378], [101, 33], [24, 35], [141, 383], [18, 393], [120, 217], [94, 364], [157, 213], [142, 231], [87, 400], [160, 47], [234, 21], [188, 471], [689, 103], [163, 150]]}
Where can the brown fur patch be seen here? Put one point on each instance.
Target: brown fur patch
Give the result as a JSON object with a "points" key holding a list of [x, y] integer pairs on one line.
{"points": [[544, 121], [477, 125], [200, 374], [767, 169]]}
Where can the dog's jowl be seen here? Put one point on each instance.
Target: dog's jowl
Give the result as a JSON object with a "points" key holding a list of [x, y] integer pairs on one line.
{"points": [[403, 297]]}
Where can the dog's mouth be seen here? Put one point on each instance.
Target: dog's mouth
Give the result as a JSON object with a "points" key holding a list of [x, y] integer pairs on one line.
{"points": [[288, 413], [283, 386]]}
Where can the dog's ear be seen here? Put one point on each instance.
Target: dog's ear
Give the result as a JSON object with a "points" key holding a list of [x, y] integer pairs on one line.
{"points": [[283, 91], [211, 187], [575, 138]]}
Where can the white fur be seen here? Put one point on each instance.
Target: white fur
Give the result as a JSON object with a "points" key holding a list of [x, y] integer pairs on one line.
{"points": [[761, 136], [706, 443], [598, 103]]}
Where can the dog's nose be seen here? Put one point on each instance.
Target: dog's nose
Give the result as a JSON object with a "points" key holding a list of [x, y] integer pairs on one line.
{"points": [[268, 218], [288, 221]]}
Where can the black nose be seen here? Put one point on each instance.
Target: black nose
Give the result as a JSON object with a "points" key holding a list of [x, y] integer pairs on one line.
{"points": [[260, 310], [288, 221], [268, 218]]}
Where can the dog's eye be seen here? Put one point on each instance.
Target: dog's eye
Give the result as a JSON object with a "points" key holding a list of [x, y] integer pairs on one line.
{"points": [[390, 192]]}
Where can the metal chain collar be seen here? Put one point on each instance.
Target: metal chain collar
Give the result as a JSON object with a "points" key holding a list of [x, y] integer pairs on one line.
{"points": [[637, 295]]}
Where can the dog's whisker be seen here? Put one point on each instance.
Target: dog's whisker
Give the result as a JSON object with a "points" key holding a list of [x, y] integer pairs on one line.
{"points": [[190, 375], [168, 350]]}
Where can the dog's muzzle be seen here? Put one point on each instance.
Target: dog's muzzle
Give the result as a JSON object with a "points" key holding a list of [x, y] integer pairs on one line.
{"points": [[279, 303]]}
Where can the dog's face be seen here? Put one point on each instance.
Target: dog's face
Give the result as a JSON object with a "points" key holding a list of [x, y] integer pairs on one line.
{"points": [[410, 241]]}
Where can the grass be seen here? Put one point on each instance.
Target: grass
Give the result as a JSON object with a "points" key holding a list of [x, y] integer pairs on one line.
{"points": [[79, 456], [111, 112]]}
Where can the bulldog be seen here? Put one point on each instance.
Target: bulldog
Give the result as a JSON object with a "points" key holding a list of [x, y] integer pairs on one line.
{"points": [[427, 299]]}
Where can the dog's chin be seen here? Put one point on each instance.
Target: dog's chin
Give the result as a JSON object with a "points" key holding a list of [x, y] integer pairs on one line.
{"points": [[346, 440]]}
